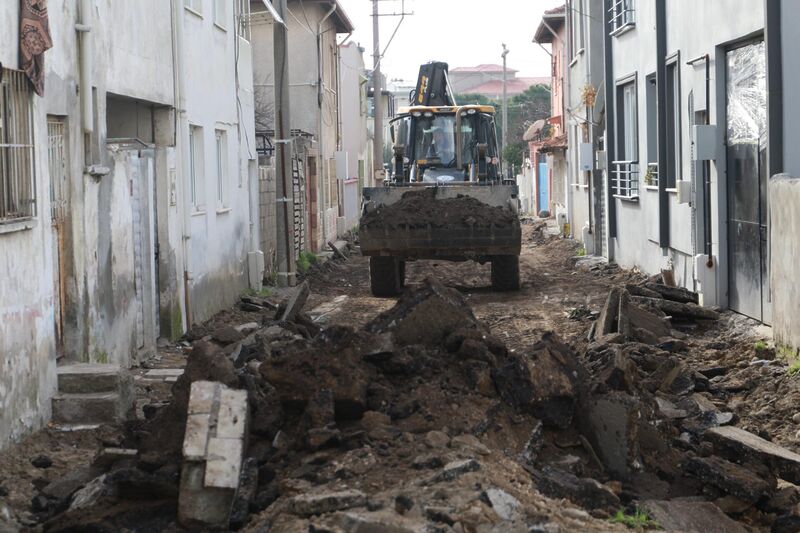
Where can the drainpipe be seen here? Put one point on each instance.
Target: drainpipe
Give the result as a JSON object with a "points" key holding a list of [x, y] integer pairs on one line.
{"points": [[707, 249], [320, 92], [611, 125], [182, 144], [86, 64], [661, 80]]}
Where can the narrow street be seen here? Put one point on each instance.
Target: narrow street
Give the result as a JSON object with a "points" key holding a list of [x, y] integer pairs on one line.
{"points": [[431, 455]]}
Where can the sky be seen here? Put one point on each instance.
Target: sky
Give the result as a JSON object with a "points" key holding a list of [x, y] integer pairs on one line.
{"points": [[459, 32]]}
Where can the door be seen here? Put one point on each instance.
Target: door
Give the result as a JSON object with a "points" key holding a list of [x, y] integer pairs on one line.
{"points": [[145, 248], [543, 187], [57, 165], [748, 280]]}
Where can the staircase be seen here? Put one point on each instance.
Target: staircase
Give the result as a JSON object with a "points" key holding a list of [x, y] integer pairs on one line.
{"points": [[93, 394]]}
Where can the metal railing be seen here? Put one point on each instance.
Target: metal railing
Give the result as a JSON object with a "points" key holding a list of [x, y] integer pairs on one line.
{"points": [[243, 19], [623, 14], [17, 184], [651, 176], [625, 179]]}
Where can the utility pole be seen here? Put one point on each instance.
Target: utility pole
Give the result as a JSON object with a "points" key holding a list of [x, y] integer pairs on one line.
{"points": [[287, 255], [505, 104], [377, 98]]}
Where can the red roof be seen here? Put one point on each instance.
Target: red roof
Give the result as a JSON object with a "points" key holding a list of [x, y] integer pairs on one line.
{"points": [[487, 67], [515, 86]]}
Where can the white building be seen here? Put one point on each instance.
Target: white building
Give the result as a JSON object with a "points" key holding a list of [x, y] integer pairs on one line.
{"points": [[686, 144], [112, 231], [355, 153]]}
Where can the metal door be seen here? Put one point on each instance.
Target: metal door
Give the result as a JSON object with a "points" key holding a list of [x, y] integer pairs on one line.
{"points": [[543, 187], [57, 166], [748, 280]]}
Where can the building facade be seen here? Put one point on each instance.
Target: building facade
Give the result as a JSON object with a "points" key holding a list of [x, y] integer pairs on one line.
{"points": [[314, 77], [119, 184]]}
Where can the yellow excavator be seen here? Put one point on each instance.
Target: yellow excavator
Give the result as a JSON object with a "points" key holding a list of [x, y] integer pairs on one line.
{"points": [[446, 197]]}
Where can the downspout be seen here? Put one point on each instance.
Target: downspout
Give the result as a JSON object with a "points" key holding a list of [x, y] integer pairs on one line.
{"points": [[86, 64], [320, 90], [707, 244], [182, 144], [611, 126], [661, 80]]}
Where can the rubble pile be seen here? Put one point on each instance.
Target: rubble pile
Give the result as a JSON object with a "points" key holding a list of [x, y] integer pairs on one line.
{"points": [[424, 421], [421, 209]]}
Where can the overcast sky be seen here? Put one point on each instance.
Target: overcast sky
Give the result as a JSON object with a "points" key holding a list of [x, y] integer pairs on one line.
{"points": [[460, 32]]}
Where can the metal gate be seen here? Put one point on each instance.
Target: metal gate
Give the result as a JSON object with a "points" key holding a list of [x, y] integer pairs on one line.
{"points": [[748, 280]]}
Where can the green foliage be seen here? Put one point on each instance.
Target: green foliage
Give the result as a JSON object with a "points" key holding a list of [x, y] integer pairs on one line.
{"points": [[514, 153], [794, 369], [760, 345], [637, 520], [265, 292], [305, 260], [581, 252]]}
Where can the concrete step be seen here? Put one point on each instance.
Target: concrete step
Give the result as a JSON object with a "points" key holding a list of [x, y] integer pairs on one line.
{"points": [[90, 378], [91, 408]]}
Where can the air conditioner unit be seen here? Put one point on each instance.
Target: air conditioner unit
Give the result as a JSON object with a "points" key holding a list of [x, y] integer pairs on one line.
{"points": [[684, 188]]}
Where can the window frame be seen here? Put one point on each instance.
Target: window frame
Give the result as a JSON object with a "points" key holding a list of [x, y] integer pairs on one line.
{"points": [[222, 161], [194, 6], [196, 169], [625, 163], [17, 153], [221, 19], [674, 162]]}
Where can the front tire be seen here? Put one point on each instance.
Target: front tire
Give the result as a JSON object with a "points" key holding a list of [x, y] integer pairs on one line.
{"points": [[505, 273], [386, 276]]}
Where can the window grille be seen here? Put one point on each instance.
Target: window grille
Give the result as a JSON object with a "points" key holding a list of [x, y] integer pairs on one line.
{"points": [[623, 14], [17, 183]]}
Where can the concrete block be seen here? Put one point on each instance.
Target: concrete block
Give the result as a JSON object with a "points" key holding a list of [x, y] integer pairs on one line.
{"points": [[201, 397], [743, 445], [89, 378], [223, 463], [611, 422], [232, 414], [201, 507], [687, 516], [160, 373], [195, 442]]}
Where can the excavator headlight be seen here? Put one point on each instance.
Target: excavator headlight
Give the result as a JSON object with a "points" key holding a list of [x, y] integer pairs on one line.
{"points": [[428, 114], [471, 111], [416, 114]]}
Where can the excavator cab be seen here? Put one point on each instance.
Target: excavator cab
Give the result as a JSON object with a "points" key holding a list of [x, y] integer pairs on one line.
{"points": [[445, 144]]}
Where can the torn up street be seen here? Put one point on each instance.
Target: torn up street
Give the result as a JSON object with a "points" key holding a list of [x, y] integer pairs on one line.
{"points": [[454, 408]]}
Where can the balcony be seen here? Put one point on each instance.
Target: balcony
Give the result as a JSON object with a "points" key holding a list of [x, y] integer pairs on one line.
{"points": [[625, 180]]}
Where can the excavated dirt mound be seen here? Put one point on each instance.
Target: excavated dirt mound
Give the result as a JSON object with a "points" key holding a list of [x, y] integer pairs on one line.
{"points": [[421, 209]]}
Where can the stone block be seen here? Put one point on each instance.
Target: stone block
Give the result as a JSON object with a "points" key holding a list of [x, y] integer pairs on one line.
{"points": [[223, 463], [734, 479], [195, 442], [611, 423], [87, 408], [328, 502], [745, 446], [690, 517], [85, 378]]}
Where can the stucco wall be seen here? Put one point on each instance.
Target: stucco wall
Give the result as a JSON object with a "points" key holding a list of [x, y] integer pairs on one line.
{"points": [[784, 194]]}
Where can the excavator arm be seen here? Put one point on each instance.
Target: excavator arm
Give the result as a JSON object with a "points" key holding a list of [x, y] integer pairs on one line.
{"points": [[433, 86]]}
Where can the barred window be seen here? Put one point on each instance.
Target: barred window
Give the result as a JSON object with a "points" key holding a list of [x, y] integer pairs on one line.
{"points": [[17, 185]]}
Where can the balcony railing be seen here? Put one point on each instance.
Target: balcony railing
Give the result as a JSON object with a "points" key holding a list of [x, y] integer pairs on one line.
{"points": [[651, 176], [623, 15], [625, 179]]}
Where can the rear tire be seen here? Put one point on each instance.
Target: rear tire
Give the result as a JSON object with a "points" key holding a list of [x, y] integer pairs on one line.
{"points": [[505, 273], [386, 276]]}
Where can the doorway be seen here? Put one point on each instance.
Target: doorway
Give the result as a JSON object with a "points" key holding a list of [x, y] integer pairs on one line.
{"points": [[746, 150], [58, 165], [543, 187]]}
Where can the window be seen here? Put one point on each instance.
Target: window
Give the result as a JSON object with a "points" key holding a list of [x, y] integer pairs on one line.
{"points": [[623, 15], [625, 168], [221, 13], [576, 16], [651, 95], [17, 184], [221, 138], [194, 5], [672, 168], [196, 167]]}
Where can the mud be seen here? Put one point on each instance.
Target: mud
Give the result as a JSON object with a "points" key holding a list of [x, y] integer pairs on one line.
{"points": [[421, 209]]}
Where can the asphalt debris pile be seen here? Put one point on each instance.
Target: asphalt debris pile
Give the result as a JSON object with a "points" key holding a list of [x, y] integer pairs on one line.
{"points": [[420, 208], [423, 420]]}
